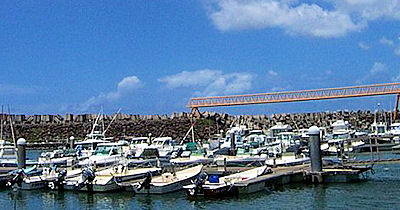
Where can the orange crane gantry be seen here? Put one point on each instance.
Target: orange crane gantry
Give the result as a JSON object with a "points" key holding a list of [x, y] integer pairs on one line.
{"points": [[295, 96]]}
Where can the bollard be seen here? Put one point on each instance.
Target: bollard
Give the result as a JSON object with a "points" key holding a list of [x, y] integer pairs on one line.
{"points": [[71, 142], [21, 153], [232, 150], [315, 149], [150, 142]]}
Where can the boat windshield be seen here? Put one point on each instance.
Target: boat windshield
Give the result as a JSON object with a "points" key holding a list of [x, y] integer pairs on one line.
{"points": [[106, 150], [9, 151], [340, 136], [381, 129], [397, 128]]}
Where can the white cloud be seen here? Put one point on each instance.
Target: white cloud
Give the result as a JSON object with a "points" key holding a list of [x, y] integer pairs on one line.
{"points": [[370, 9], [385, 41], [376, 74], [214, 82], [272, 73], [396, 78], [397, 51], [124, 88], [191, 78], [363, 46], [336, 18], [305, 19], [8, 89]]}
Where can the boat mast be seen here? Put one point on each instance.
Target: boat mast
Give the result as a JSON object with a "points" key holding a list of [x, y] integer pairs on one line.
{"points": [[12, 129], [1, 120]]}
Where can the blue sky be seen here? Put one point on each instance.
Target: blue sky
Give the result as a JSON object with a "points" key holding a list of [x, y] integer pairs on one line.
{"points": [[150, 57]]}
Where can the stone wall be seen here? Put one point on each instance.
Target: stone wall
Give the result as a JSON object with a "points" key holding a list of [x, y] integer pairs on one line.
{"points": [[57, 127]]}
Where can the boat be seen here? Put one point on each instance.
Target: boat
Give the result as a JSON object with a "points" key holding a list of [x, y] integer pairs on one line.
{"points": [[342, 139], [136, 146], [166, 182], [107, 179], [216, 186], [48, 178], [107, 154], [159, 147], [57, 157], [8, 155]]}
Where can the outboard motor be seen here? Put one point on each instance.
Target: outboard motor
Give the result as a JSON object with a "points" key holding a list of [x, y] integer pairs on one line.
{"points": [[145, 184], [88, 175], [16, 178], [59, 181], [198, 184]]}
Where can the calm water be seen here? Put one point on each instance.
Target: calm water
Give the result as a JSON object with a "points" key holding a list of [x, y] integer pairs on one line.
{"points": [[381, 191]]}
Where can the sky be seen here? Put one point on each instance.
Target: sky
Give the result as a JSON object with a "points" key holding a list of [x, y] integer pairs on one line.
{"points": [[151, 57]]}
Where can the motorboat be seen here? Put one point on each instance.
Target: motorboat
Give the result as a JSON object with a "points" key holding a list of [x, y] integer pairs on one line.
{"points": [[8, 155], [223, 186], [159, 147], [167, 182], [107, 179], [57, 157], [107, 154], [136, 146], [48, 178]]}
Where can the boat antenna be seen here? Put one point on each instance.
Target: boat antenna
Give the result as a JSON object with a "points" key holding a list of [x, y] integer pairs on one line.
{"points": [[115, 116]]}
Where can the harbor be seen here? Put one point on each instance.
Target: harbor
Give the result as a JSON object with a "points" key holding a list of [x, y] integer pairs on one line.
{"points": [[233, 164], [200, 104]]}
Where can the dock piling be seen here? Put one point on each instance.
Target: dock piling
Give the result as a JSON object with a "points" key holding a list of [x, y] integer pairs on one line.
{"points": [[21, 153], [315, 154], [71, 142]]}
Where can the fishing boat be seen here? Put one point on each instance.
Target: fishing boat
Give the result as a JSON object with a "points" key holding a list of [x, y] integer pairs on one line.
{"points": [[160, 147], [48, 178], [106, 154], [107, 179], [166, 182], [223, 186]]}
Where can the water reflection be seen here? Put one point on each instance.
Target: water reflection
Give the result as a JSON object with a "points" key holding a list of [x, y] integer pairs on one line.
{"points": [[319, 197]]}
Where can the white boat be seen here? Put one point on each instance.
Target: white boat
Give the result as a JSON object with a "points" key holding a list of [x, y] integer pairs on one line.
{"points": [[161, 145], [279, 128], [136, 146], [395, 129], [8, 155], [57, 157], [107, 179], [106, 154], [379, 129], [48, 176], [167, 182], [225, 185]]}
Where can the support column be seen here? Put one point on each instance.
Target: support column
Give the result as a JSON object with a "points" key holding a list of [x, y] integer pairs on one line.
{"points": [[396, 108], [21, 153], [315, 149]]}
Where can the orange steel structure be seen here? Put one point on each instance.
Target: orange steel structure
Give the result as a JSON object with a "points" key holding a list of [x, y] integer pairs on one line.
{"points": [[295, 96]]}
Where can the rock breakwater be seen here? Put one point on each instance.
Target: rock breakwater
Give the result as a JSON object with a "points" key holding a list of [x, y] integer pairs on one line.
{"points": [[58, 128]]}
